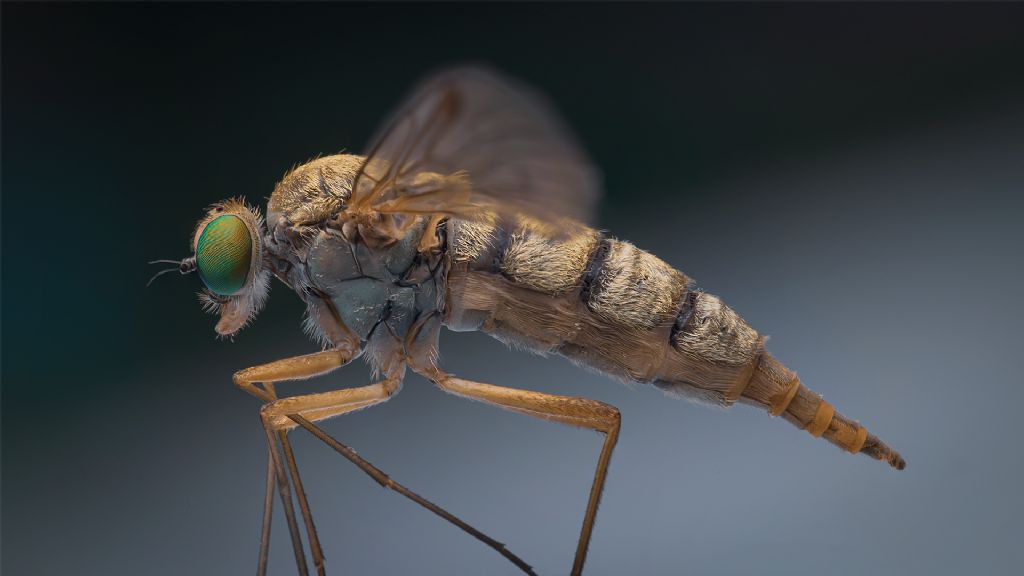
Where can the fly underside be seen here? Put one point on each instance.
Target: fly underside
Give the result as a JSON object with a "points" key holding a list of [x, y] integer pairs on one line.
{"points": [[466, 213]]}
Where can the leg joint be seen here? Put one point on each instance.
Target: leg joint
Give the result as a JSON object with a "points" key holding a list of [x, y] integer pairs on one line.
{"points": [[614, 418], [391, 386]]}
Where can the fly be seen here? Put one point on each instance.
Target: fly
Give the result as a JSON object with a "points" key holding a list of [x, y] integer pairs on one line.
{"points": [[469, 213]]}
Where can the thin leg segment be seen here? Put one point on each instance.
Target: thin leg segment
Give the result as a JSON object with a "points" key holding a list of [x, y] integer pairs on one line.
{"points": [[268, 513], [286, 503], [307, 516], [300, 492], [580, 412]]}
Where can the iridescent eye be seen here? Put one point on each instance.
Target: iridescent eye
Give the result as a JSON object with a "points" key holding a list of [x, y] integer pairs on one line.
{"points": [[224, 254]]}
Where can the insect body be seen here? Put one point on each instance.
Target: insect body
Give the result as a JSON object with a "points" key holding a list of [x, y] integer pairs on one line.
{"points": [[467, 214]]}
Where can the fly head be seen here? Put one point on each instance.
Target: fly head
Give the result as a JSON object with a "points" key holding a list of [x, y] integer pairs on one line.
{"points": [[228, 254]]}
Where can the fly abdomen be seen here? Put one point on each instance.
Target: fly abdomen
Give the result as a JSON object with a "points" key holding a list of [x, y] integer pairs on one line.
{"points": [[613, 307], [599, 301]]}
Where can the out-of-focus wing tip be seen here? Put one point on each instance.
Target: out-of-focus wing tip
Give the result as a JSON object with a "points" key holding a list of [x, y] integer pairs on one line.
{"points": [[515, 150]]}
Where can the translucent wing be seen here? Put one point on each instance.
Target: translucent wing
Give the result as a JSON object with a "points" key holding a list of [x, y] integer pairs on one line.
{"points": [[469, 141]]}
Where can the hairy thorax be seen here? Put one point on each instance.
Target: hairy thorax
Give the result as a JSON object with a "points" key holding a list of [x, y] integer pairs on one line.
{"points": [[370, 290]]}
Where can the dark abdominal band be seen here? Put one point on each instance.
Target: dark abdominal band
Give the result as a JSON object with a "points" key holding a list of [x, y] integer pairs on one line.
{"points": [[499, 243], [685, 313], [595, 265]]}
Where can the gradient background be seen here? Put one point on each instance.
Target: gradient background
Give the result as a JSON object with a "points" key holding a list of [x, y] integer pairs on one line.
{"points": [[847, 177]]}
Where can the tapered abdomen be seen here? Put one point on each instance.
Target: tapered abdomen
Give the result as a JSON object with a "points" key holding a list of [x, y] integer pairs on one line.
{"points": [[609, 306]]}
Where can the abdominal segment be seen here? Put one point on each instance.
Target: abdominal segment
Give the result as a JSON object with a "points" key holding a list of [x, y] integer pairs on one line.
{"points": [[602, 303]]}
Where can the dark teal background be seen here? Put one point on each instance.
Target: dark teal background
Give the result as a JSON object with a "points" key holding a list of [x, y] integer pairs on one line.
{"points": [[846, 176]]}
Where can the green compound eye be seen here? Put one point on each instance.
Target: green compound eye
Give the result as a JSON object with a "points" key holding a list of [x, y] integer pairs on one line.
{"points": [[224, 254]]}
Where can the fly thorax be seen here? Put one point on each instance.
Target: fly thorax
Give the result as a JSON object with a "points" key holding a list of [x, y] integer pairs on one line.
{"points": [[372, 288]]}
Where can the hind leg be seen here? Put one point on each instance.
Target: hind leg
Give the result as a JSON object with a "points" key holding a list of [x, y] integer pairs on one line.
{"points": [[580, 412]]}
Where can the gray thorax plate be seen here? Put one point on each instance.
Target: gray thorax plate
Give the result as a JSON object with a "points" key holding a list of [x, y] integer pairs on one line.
{"points": [[366, 285]]}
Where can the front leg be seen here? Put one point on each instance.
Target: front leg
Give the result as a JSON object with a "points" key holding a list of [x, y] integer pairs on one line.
{"points": [[295, 368]]}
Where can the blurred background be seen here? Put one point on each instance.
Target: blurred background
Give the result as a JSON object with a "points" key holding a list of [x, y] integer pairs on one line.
{"points": [[848, 177]]}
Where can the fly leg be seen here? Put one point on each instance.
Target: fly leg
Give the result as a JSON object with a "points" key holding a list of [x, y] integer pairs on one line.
{"points": [[299, 367], [297, 410], [286, 503], [316, 407], [580, 412], [268, 511], [280, 415]]}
